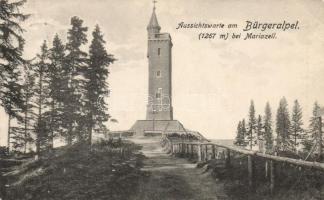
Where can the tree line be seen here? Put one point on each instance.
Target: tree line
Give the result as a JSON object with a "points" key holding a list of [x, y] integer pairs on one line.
{"points": [[290, 134], [58, 94]]}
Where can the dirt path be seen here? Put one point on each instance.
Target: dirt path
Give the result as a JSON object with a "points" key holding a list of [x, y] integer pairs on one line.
{"points": [[174, 178]]}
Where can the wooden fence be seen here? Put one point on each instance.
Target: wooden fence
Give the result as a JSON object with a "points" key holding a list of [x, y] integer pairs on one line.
{"points": [[204, 151]]}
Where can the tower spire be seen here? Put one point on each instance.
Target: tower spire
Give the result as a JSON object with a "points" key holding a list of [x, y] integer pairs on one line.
{"points": [[154, 2], [153, 26]]}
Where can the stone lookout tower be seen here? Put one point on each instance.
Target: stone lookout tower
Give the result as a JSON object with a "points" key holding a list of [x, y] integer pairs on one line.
{"points": [[159, 112], [159, 53]]}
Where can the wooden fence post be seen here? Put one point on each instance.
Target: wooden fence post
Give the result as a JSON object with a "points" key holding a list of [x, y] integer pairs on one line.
{"points": [[214, 152], [228, 158], [251, 171], [203, 156], [183, 152], [172, 148], [192, 150], [202, 152], [188, 150], [199, 152], [206, 152], [180, 149], [272, 176]]}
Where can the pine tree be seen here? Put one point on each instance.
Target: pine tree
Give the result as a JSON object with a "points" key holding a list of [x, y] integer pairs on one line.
{"points": [[296, 129], [251, 136], [97, 85], [22, 133], [260, 133], [74, 68], [11, 47], [259, 128], [314, 122], [268, 133], [244, 132], [11, 96], [283, 126], [311, 138], [41, 97], [11, 40], [28, 87], [239, 140], [56, 87]]}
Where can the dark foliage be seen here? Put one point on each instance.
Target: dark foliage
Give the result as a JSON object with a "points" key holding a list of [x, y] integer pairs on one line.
{"points": [[96, 86], [251, 136], [11, 48], [77, 173], [75, 63], [3, 152]]}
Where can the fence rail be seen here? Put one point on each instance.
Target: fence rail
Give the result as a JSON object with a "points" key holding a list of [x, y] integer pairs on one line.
{"points": [[301, 163], [204, 151]]}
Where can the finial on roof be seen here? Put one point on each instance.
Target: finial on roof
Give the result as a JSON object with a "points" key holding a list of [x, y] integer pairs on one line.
{"points": [[153, 25], [154, 2]]}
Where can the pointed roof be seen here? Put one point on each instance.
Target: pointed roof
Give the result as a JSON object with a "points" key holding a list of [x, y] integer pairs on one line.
{"points": [[154, 24]]}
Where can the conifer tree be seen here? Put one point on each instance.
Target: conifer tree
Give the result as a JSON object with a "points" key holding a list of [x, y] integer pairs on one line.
{"points": [[259, 127], [244, 132], [22, 133], [41, 95], [11, 47], [251, 135], [74, 95], [56, 87], [260, 133], [11, 40], [268, 132], [296, 129], [11, 97], [314, 122], [97, 85], [239, 140], [283, 126], [311, 138], [28, 87]]}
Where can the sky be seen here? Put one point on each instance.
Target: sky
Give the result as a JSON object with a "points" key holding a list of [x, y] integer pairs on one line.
{"points": [[213, 80]]}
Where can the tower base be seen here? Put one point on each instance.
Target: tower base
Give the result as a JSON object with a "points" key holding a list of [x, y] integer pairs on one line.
{"points": [[155, 128], [159, 128]]}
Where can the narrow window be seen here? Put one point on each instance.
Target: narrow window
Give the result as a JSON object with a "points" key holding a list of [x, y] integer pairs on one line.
{"points": [[158, 74], [159, 93], [159, 51]]}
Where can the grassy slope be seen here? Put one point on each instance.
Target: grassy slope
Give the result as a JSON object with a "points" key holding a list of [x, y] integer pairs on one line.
{"points": [[76, 173]]}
